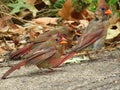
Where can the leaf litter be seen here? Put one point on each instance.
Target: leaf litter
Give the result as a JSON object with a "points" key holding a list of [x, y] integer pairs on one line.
{"points": [[14, 36]]}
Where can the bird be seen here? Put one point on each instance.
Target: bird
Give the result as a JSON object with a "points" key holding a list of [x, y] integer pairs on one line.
{"points": [[45, 55], [97, 28], [67, 31], [93, 37]]}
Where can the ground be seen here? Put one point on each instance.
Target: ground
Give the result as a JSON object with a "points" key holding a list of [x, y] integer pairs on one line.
{"points": [[100, 74]]}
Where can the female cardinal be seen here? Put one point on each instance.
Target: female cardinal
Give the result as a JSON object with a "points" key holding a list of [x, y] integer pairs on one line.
{"points": [[45, 55], [64, 30], [95, 33]]}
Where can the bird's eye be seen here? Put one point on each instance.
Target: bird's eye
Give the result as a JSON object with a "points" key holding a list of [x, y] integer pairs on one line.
{"points": [[56, 40], [102, 9]]}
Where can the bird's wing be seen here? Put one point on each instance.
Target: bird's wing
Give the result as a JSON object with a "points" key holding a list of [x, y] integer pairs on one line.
{"points": [[41, 55], [89, 38], [20, 52]]}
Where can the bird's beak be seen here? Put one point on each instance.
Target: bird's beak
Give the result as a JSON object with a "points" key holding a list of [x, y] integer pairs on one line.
{"points": [[108, 12], [63, 41]]}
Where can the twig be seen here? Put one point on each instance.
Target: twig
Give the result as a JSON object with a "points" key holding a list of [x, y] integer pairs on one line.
{"points": [[46, 11], [22, 20]]}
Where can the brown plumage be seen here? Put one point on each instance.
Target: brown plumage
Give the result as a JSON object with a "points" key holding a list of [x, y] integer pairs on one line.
{"points": [[64, 30], [45, 55], [93, 37]]}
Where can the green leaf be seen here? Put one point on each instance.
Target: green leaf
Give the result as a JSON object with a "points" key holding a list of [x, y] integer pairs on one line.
{"points": [[16, 7]]}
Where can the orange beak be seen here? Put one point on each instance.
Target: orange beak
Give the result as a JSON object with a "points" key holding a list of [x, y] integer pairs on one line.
{"points": [[63, 41], [108, 12]]}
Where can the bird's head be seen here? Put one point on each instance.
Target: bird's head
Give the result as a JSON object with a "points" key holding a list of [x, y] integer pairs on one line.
{"points": [[102, 12], [60, 38]]}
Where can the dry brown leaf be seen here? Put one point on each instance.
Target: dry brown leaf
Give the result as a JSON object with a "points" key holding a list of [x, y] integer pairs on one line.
{"points": [[68, 13], [83, 14], [66, 10], [13, 26], [3, 21], [83, 23], [9, 45], [2, 50], [20, 30], [32, 35], [15, 39], [79, 25], [46, 20], [1, 60]]}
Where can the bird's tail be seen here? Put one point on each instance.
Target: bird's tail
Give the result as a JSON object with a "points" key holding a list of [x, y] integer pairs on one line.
{"points": [[64, 58], [17, 66]]}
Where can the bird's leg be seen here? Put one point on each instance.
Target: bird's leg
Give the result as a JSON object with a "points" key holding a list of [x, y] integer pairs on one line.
{"points": [[94, 55], [88, 54], [51, 69], [45, 71]]}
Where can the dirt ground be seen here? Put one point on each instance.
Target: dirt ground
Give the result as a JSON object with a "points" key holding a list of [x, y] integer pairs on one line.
{"points": [[101, 74]]}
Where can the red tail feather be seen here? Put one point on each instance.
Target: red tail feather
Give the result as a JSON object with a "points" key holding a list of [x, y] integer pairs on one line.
{"points": [[17, 66], [66, 57]]}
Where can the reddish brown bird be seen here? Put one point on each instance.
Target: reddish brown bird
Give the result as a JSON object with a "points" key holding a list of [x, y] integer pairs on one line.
{"points": [[64, 30], [95, 34], [45, 55]]}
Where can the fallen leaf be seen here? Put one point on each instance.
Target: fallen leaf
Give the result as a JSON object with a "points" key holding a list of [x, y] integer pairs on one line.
{"points": [[2, 50], [46, 20], [2, 60], [68, 13], [112, 33], [66, 10], [3, 21]]}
